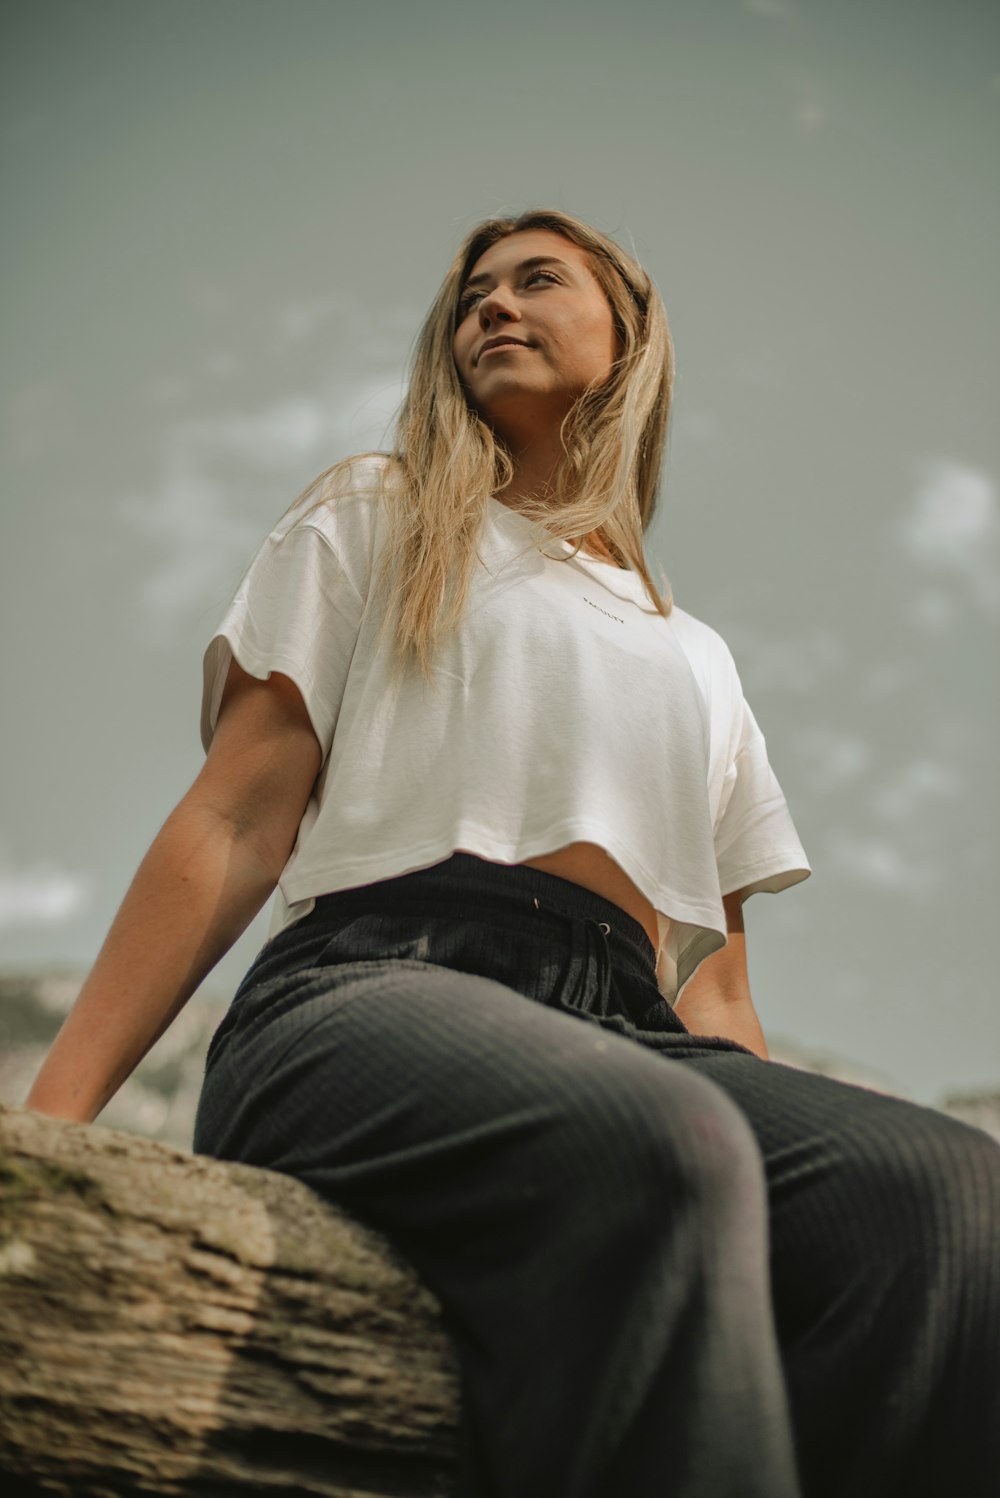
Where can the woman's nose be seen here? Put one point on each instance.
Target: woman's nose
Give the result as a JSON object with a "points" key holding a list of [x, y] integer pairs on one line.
{"points": [[497, 306]]}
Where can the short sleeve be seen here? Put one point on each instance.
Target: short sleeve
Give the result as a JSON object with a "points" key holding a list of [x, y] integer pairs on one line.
{"points": [[756, 845], [297, 610]]}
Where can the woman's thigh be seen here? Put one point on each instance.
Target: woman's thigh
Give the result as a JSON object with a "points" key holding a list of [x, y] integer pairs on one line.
{"points": [[414, 1065], [884, 1230], [593, 1220], [846, 1165]]}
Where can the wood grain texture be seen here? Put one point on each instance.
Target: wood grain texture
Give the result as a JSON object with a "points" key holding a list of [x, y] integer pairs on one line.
{"points": [[172, 1324]]}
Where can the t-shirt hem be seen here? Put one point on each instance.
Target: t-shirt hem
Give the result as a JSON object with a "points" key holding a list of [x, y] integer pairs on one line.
{"points": [[260, 666], [361, 871], [788, 866]]}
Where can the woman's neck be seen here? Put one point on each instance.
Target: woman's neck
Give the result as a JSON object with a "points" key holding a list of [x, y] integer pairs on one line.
{"points": [[534, 477]]}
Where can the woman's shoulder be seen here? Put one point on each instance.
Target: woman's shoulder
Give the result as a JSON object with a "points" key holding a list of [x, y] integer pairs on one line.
{"points": [[701, 641], [362, 476], [715, 672], [342, 499]]}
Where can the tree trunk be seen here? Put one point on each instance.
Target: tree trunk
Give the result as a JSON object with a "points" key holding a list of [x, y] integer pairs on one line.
{"points": [[171, 1324]]}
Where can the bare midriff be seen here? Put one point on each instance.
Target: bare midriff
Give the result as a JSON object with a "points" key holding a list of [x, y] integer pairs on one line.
{"points": [[590, 866]]}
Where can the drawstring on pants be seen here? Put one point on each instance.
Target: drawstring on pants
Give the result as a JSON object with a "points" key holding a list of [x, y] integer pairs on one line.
{"points": [[597, 954], [598, 949]]}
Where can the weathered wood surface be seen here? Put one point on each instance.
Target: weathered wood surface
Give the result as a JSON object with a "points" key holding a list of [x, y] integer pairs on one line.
{"points": [[170, 1324]]}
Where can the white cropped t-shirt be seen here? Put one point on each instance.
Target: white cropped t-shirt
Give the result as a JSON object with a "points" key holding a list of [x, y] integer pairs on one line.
{"points": [[564, 709]]}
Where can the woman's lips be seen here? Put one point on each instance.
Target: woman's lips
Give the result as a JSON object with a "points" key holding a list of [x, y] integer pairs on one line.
{"points": [[501, 348]]}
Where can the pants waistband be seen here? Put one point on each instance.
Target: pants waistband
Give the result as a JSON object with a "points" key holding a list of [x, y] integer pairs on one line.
{"points": [[467, 885]]}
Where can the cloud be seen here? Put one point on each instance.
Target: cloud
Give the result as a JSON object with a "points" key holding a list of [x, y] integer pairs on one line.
{"points": [[935, 609], [197, 518], [809, 93], [226, 476], [810, 109], [904, 795], [831, 759], [195, 535], [952, 528], [886, 679], [368, 416], [880, 864], [42, 896], [299, 320], [796, 665], [267, 439]]}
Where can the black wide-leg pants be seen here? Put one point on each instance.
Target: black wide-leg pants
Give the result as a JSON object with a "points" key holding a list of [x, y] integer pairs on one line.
{"points": [[671, 1269]]}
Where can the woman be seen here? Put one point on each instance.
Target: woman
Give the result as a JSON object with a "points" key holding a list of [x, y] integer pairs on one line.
{"points": [[516, 800]]}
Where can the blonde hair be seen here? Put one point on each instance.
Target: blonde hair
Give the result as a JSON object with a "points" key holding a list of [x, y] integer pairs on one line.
{"points": [[446, 461]]}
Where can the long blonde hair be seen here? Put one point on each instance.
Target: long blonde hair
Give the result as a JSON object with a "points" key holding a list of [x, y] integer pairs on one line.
{"points": [[446, 461]]}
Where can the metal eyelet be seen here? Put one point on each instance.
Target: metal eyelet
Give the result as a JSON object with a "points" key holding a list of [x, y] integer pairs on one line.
{"points": [[605, 927], [535, 898]]}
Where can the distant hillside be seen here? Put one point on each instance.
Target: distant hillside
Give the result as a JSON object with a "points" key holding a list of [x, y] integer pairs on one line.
{"points": [[160, 1097]]}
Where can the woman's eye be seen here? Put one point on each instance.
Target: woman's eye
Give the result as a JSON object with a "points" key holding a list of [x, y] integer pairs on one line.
{"points": [[468, 300]]}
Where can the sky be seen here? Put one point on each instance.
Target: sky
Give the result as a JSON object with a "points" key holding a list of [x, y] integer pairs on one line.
{"points": [[223, 223]]}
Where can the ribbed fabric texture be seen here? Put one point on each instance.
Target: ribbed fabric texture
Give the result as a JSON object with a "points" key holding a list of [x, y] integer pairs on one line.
{"points": [[669, 1267]]}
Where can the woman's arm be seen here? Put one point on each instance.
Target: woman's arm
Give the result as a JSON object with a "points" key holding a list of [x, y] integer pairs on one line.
{"points": [[716, 1001], [195, 892], [209, 870]]}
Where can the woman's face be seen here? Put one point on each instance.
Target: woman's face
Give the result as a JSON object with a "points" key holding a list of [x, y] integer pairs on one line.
{"points": [[536, 290]]}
